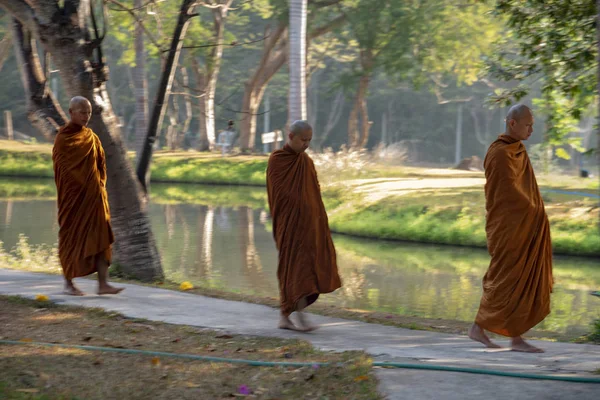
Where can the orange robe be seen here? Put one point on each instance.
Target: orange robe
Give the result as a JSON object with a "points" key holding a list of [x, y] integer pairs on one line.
{"points": [[518, 283], [83, 212], [307, 260]]}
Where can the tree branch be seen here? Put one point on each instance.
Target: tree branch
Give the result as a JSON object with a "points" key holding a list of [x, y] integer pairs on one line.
{"points": [[5, 46], [22, 11], [232, 44], [140, 22], [328, 27], [43, 110]]}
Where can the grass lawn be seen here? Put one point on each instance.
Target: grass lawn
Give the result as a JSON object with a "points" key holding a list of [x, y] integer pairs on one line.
{"points": [[32, 372]]}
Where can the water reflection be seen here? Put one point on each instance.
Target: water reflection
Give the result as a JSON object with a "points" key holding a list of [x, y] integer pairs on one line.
{"points": [[232, 249]]}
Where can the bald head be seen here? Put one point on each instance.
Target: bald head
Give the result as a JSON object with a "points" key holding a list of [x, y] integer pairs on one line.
{"points": [[79, 101], [299, 126], [80, 110], [517, 112], [519, 122], [300, 136]]}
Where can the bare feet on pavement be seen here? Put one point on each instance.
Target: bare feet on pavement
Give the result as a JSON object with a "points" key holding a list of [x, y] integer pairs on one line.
{"points": [[71, 290], [286, 323], [518, 344], [304, 324], [477, 334], [107, 289]]}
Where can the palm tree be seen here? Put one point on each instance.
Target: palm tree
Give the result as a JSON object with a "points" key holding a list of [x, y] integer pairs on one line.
{"points": [[297, 61]]}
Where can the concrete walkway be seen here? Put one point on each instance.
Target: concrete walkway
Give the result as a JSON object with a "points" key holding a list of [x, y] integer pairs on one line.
{"points": [[384, 343]]}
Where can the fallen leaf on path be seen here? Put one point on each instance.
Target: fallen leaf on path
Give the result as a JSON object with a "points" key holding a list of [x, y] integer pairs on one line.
{"points": [[186, 285], [26, 340], [155, 361], [191, 385], [41, 297]]}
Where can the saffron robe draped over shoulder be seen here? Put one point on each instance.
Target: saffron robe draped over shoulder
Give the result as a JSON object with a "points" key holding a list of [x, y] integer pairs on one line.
{"points": [[307, 259], [518, 283], [83, 211]]}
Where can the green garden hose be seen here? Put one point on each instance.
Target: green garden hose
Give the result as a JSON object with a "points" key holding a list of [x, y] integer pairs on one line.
{"points": [[579, 379]]}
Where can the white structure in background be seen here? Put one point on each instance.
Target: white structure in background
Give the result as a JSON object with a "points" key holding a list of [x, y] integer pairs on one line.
{"points": [[271, 137]]}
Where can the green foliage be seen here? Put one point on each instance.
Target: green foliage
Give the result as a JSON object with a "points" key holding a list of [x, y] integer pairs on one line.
{"points": [[414, 42], [555, 40]]}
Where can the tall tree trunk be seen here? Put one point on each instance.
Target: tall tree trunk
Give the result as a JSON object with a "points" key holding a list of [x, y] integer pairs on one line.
{"points": [[164, 88], [173, 114], [203, 143], [5, 46], [313, 105], [359, 136], [189, 114], [297, 61], [598, 87], [213, 66], [140, 87], [83, 74], [335, 112]]}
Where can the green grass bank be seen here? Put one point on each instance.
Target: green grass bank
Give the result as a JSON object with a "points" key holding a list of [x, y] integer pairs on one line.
{"points": [[363, 199]]}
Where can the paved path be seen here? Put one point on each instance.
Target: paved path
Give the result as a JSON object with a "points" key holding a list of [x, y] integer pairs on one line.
{"points": [[383, 342]]}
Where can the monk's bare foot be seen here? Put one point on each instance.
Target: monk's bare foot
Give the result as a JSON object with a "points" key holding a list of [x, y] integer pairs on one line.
{"points": [[286, 323], [518, 344], [72, 291], [477, 334], [305, 326], [107, 289]]}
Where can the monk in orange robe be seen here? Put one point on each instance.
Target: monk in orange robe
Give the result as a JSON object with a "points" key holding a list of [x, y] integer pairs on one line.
{"points": [[518, 283], [307, 260], [85, 235]]}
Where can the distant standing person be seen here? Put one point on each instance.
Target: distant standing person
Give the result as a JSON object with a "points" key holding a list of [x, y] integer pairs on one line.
{"points": [[518, 283], [226, 138], [85, 235], [307, 259]]}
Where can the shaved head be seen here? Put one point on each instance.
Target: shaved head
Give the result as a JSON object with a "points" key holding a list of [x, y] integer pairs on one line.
{"points": [[300, 136], [78, 101], [80, 110], [300, 126], [517, 112], [519, 122]]}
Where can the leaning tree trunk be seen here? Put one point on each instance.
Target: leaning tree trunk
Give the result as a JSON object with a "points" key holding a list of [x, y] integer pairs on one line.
{"points": [[359, 137], [64, 34], [297, 61], [164, 88], [598, 87], [275, 52], [273, 57], [5, 46], [140, 87]]}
